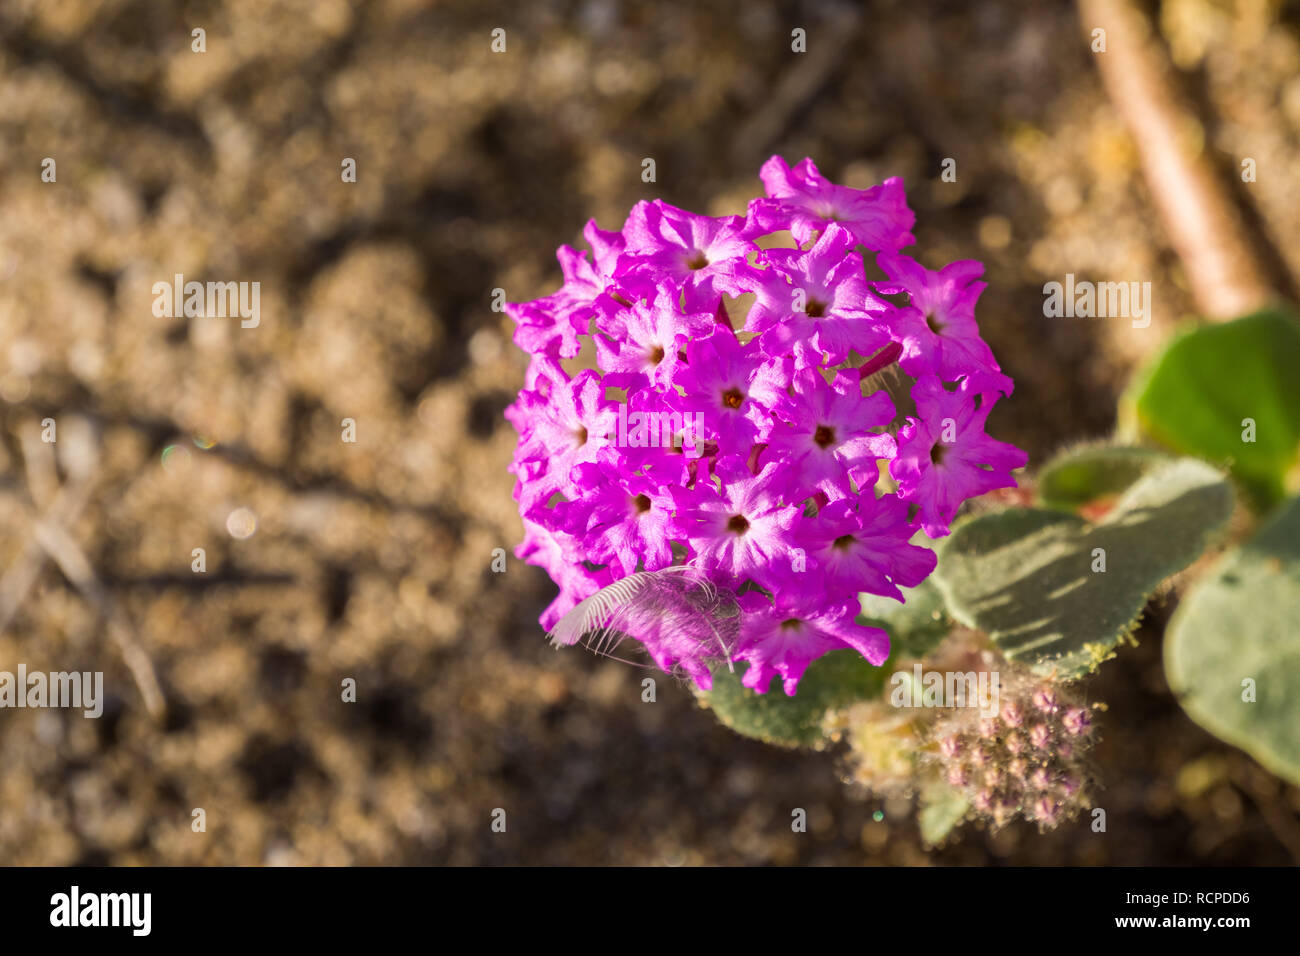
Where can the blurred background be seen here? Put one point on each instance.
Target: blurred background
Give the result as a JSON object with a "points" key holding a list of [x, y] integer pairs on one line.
{"points": [[327, 560]]}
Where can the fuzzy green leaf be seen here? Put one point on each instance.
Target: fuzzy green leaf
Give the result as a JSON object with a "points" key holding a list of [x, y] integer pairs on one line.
{"points": [[1241, 623], [1026, 576], [832, 681], [1090, 475], [1198, 394]]}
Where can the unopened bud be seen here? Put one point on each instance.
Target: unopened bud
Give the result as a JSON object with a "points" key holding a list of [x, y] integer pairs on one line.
{"points": [[1077, 721], [1044, 810]]}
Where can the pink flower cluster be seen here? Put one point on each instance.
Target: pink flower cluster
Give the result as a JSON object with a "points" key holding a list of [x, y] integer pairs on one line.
{"points": [[752, 446]]}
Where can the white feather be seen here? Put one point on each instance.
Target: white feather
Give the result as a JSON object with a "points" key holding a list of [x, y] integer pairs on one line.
{"points": [[591, 614], [597, 613]]}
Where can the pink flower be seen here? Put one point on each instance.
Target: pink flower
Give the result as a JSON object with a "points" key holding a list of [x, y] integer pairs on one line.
{"points": [[863, 545], [817, 304], [783, 637], [829, 434], [804, 202], [937, 327], [647, 338], [563, 429], [944, 456], [626, 523], [703, 255], [739, 532], [552, 325], [733, 386], [655, 439]]}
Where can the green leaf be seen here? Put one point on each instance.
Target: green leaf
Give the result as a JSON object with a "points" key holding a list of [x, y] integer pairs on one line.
{"points": [[1196, 396], [832, 681], [1244, 622], [941, 809], [1026, 576], [1095, 474]]}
